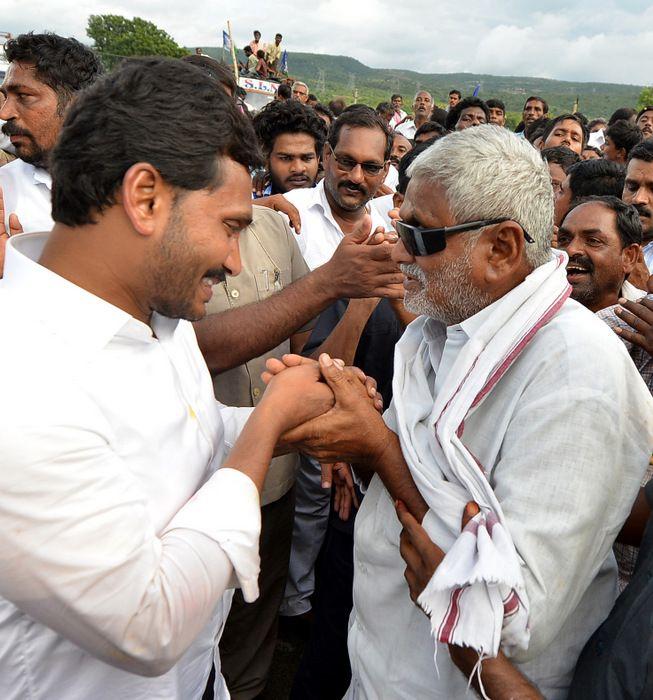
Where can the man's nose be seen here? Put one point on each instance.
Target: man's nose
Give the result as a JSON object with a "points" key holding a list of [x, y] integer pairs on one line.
{"points": [[400, 255], [232, 264], [7, 110], [356, 174]]}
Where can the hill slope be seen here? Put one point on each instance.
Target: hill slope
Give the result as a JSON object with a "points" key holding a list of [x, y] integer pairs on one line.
{"points": [[328, 76]]}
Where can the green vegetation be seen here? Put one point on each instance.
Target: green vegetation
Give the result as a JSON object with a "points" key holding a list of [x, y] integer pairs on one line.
{"points": [[346, 77], [645, 98], [115, 37]]}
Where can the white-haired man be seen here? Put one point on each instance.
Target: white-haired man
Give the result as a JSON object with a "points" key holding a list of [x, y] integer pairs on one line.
{"points": [[422, 107], [300, 91], [507, 393]]}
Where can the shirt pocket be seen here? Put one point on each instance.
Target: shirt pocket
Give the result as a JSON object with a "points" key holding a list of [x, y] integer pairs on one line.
{"points": [[270, 279]]}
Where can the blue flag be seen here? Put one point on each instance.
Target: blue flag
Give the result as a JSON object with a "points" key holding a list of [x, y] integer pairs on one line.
{"points": [[284, 62], [226, 41], [477, 89]]}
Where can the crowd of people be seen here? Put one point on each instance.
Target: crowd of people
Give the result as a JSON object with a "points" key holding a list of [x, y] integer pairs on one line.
{"points": [[380, 372]]}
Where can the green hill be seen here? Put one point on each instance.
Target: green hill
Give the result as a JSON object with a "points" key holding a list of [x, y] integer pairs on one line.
{"points": [[328, 76]]}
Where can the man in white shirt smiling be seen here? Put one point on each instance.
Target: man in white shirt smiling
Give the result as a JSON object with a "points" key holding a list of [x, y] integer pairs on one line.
{"points": [[506, 393], [45, 72], [128, 500]]}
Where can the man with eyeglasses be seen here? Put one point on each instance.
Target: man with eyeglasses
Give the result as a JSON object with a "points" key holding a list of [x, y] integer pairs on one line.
{"points": [[300, 92], [506, 393]]}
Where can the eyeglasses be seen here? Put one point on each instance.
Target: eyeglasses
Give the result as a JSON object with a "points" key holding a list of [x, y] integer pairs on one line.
{"points": [[426, 241], [347, 164]]}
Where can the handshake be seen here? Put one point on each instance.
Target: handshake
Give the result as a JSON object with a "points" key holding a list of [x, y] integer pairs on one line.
{"points": [[329, 412]]}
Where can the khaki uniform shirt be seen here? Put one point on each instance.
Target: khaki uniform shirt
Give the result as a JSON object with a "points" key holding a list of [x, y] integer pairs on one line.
{"points": [[270, 261]]}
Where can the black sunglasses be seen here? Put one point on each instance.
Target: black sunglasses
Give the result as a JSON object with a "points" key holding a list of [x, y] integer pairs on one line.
{"points": [[426, 241], [348, 164]]}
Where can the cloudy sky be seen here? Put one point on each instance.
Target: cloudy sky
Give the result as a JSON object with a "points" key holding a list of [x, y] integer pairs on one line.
{"points": [[579, 40]]}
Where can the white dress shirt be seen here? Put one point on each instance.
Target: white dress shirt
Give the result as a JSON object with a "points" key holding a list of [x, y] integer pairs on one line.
{"points": [[565, 437], [119, 532], [407, 129], [27, 193], [320, 234], [396, 118]]}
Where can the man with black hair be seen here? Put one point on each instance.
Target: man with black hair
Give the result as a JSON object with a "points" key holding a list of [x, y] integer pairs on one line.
{"points": [[400, 146], [559, 159], [421, 111], [273, 54], [497, 111], [386, 111], [638, 191], [45, 73], [454, 98], [325, 114], [534, 108], [397, 102], [284, 92], [602, 237], [471, 111], [620, 139], [114, 432], [429, 131], [628, 114], [585, 179], [644, 121], [597, 125], [565, 130], [292, 137]]}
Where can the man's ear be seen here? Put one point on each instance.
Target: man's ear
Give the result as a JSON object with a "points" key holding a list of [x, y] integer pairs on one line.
{"points": [[630, 254], [146, 198], [504, 249]]}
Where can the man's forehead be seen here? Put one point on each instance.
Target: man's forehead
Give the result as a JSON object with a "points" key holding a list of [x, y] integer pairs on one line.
{"points": [[358, 138], [591, 216], [648, 114], [639, 170], [21, 73]]}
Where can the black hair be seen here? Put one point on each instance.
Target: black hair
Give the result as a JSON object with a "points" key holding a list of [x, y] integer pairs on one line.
{"points": [[431, 127], [395, 96], [407, 160], [596, 177], [583, 119], [625, 113], [438, 115], [594, 149], [629, 225], [384, 107], [278, 35], [65, 65], [360, 116], [563, 118], [648, 108], [536, 128], [311, 97], [284, 91], [624, 135], [545, 104], [562, 156], [288, 117], [157, 110], [337, 106], [594, 122], [256, 31], [456, 92], [642, 151], [247, 49], [454, 112], [215, 70], [323, 109], [496, 104]]}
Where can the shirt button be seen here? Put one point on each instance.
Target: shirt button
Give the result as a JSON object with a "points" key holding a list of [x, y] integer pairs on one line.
{"points": [[256, 393], [235, 293]]}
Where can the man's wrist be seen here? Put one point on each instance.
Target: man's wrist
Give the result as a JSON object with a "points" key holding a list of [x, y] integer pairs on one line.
{"points": [[324, 281]]}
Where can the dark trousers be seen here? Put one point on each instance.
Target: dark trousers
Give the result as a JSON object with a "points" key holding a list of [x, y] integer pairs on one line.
{"points": [[324, 672], [250, 635]]}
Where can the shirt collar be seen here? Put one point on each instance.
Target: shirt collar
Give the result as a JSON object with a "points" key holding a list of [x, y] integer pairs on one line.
{"points": [[79, 318], [320, 200]]}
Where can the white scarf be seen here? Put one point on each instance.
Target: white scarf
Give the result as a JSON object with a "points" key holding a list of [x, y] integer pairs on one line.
{"points": [[476, 597]]}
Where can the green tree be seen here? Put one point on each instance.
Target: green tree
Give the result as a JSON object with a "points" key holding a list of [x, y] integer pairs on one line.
{"points": [[117, 36], [645, 97]]}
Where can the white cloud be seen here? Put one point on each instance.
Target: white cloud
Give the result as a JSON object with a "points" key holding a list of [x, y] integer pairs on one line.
{"points": [[606, 42]]}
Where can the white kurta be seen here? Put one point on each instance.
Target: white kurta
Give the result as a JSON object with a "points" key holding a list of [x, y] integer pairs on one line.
{"points": [[119, 533], [565, 437]]}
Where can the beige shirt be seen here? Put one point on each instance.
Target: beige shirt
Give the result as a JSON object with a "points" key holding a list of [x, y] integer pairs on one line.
{"points": [[271, 260]]}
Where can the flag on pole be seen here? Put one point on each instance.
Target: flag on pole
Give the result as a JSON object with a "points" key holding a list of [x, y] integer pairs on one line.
{"points": [[226, 41], [284, 62], [477, 89]]}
